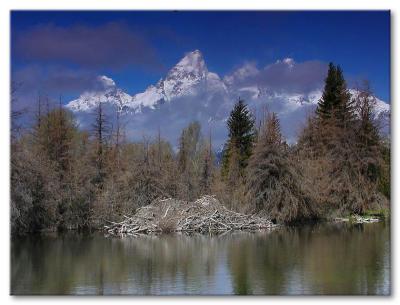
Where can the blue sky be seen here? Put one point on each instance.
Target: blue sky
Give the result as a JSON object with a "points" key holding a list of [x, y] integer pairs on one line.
{"points": [[139, 47]]}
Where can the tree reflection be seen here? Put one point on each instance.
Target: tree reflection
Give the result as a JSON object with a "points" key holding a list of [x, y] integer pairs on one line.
{"points": [[319, 259]]}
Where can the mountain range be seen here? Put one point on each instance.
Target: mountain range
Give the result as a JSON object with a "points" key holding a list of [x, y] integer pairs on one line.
{"points": [[189, 91]]}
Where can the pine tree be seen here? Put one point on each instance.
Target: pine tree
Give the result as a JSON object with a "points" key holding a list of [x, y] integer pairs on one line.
{"points": [[346, 140], [328, 98], [275, 185], [333, 128], [335, 102], [344, 110], [241, 137], [266, 162]]}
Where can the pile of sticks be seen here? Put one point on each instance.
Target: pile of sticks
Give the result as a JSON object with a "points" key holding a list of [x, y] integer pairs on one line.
{"points": [[357, 219], [169, 215]]}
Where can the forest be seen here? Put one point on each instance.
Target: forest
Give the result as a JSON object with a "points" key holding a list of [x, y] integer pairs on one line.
{"points": [[65, 178]]}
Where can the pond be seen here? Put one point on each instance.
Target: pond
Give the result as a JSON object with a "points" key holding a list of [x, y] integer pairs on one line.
{"points": [[312, 259]]}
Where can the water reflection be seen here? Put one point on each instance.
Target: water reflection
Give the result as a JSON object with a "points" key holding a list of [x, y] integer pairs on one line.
{"points": [[321, 259]]}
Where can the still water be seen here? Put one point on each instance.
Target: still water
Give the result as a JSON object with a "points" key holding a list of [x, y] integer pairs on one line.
{"points": [[319, 259]]}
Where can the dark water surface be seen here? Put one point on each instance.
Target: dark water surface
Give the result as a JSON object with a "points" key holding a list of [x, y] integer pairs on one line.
{"points": [[319, 259]]}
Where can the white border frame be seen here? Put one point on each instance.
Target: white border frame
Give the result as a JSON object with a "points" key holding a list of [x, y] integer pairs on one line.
{"points": [[7, 5]]}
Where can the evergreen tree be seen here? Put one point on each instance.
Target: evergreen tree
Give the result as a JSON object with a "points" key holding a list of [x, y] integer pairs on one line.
{"points": [[335, 102], [241, 137], [328, 98], [344, 109], [274, 183], [333, 129], [345, 139]]}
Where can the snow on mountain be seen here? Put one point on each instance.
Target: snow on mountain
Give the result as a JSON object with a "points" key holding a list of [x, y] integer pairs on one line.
{"points": [[293, 101], [107, 92], [190, 91], [187, 78], [181, 80], [380, 106], [149, 98]]}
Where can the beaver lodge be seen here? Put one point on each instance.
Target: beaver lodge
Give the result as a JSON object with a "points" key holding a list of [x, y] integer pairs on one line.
{"points": [[204, 215]]}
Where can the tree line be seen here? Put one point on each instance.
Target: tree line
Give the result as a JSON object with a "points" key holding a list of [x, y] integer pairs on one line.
{"points": [[63, 177]]}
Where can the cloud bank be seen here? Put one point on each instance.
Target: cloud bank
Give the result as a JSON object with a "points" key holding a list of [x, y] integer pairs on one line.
{"points": [[282, 76], [111, 45]]}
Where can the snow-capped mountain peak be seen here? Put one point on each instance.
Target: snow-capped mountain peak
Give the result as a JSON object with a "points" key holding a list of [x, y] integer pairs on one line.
{"points": [[189, 76], [192, 63], [186, 74], [105, 91], [189, 91], [186, 78]]}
